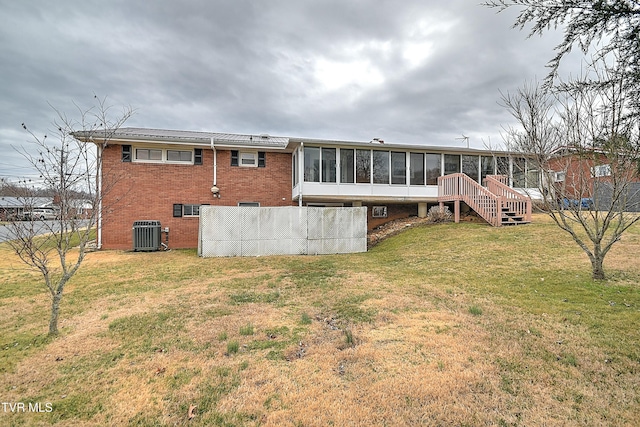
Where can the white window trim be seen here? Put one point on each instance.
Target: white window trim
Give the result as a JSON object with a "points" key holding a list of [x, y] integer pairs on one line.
{"points": [[601, 170], [164, 155], [560, 176], [253, 154], [192, 205]]}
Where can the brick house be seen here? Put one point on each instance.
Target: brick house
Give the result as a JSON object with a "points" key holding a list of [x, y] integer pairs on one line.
{"points": [[166, 175], [588, 174]]}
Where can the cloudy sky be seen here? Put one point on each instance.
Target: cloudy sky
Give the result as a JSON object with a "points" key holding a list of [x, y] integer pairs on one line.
{"points": [[410, 71]]}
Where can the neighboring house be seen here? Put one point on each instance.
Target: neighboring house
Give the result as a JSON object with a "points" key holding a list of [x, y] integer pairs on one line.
{"points": [[586, 180], [165, 175], [13, 208]]}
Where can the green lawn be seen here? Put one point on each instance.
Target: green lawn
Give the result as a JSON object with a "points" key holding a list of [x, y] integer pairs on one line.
{"points": [[453, 324]]}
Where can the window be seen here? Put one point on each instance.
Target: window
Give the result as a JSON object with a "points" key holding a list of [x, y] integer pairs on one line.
{"points": [[398, 168], [191, 210], [312, 164], [470, 165], [178, 156], [346, 166], [416, 169], [380, 167], [519, 170], [379, 211], [148, 154], [363, 166], [533, 176], [126, 153], [180, 210], [249, 204], [328, 165], [559, 176], [451, 164], [486, 167], [601, 170], [295, 168], [248, 159], [433, 168], [159, 155], [502, 166]]}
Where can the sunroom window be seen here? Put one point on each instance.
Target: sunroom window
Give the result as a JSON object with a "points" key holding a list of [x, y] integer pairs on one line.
{"points": [[398, 167], [346, 165], [380, 167], [434, 168], [416, 168], [363, 166]]}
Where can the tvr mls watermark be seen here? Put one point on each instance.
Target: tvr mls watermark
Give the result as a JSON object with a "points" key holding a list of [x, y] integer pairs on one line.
{"points": [[41, 407]]}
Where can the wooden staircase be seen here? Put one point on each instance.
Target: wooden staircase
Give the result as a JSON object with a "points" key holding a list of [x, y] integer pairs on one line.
{"points": [[499, 204]]}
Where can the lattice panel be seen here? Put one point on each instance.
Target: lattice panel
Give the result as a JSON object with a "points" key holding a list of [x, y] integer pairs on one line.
{"points": [[250, 231]]}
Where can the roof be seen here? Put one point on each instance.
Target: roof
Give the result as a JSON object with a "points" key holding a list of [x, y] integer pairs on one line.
{"points": [[192, 137], [230, 140], [21, 202]]}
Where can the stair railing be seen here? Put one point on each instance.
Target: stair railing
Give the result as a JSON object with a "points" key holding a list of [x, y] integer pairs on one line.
{"points": [[459, 186], [509, 198]]}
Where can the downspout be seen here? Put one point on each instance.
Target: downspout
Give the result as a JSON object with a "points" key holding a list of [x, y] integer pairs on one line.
{"points": [[301, 172], [99, 195], [214, 189]]}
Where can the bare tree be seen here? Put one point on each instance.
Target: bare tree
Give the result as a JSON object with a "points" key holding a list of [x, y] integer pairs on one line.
{"points": [[69, 169], [604, 26], [585, 143]]}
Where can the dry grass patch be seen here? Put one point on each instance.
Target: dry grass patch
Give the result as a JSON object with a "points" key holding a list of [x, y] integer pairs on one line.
{"points": [[440, 325]]}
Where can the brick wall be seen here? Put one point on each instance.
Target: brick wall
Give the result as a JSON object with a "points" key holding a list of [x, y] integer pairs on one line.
{"points": [[147, 191]]}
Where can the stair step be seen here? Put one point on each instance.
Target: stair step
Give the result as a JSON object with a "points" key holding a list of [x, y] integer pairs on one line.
{"points": [[513, 220]]}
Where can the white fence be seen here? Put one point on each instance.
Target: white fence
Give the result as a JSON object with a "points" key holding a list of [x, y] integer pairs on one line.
{"points": [[248, 231]]}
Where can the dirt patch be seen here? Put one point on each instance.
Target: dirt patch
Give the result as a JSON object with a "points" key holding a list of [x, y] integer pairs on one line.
{"points": [[394, 227]]}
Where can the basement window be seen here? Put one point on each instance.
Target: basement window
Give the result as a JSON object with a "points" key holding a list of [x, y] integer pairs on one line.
{"points": [[379, 212], [184, 210], [190, 210]]}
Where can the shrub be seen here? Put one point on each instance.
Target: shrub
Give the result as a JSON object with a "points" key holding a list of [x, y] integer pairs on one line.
{"points": [[436, 214]]}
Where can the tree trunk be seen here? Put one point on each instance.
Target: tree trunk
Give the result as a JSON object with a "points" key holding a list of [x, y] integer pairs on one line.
{"points": [[597, 271], [55, 309]]}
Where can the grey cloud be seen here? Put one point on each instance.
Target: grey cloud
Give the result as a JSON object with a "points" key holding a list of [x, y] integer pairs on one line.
{"points": [[253, 66]]}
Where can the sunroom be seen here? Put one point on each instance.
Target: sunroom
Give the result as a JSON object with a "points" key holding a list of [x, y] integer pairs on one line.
{"points": [[356, 172]]}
